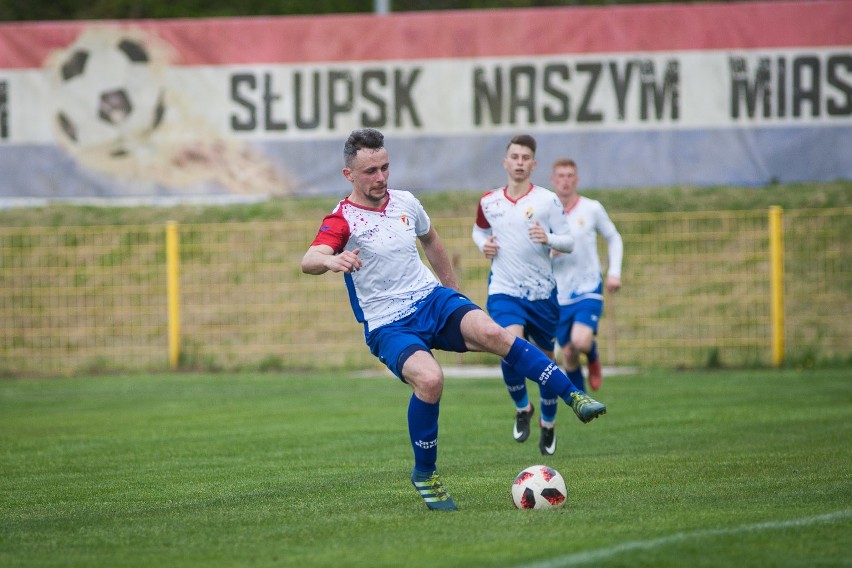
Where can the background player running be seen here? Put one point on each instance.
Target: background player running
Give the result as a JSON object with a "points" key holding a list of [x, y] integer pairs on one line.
{"points": [[516, 227], [578, 275]]}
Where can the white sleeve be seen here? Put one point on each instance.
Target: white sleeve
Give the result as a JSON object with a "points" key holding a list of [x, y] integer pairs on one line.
{"points": [[480, 236], [562, 243], [559, 236], [422, 222], [614, 244]]}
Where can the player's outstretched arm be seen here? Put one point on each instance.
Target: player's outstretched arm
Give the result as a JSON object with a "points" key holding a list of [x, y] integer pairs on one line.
{"points": [[321, 258]]}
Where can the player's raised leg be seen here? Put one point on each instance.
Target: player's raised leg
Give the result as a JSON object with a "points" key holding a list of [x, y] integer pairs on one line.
{"points": [[482, 334]]}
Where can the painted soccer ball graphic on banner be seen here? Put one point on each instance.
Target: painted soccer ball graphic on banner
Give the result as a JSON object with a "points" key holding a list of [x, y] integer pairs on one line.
{"points": [[539, 487], [111, 94], [119, 108]]}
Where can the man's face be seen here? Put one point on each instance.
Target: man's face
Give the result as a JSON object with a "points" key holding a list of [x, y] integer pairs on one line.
{"points": [[565, 180], [519, 162], [369, 176]]}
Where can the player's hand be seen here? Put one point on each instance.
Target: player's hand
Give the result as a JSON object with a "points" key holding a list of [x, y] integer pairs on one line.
{"points": [[490, 248], [537, 233], [613, 283], [347, 262]]}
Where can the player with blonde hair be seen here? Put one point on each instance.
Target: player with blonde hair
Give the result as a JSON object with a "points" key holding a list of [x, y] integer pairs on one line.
{"points": [[578, 275]]}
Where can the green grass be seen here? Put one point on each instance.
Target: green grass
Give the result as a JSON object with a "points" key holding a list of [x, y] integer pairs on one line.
{"points": [[749, 468], [445, 204]]}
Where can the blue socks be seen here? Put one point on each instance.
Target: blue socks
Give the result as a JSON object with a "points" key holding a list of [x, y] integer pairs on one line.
{"points": [[423, 430], [529, 361], [576, 377], [523, 360], [549, 404], [516, 384], [592, 355]]}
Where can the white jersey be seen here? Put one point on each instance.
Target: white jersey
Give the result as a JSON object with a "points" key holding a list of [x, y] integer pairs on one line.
{"points": [[578, 275], [521, 268], [392, 278]]}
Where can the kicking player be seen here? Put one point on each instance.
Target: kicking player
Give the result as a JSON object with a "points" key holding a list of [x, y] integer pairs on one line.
{"points": [[371, 237], [578, 275], [516, 227]]}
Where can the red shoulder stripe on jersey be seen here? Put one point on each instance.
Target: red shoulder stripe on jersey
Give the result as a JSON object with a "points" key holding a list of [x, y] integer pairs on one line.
{"points": [[333, 232], [481, 221]]}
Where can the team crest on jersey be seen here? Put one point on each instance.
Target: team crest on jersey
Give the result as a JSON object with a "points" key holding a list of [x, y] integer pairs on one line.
{"points": [[529, 214], [407, 220]]}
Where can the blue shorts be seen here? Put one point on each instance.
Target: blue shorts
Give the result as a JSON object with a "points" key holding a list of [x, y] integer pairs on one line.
{"points": [[587, 312], [435, 324], [539, 317]]}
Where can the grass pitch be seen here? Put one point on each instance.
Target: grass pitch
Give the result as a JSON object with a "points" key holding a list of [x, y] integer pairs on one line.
{"points": [[728, 468]]}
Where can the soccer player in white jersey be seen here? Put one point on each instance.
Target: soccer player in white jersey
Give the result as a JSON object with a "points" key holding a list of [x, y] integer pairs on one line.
{"points": [[578, 275], [371, 237], [516, 227]]}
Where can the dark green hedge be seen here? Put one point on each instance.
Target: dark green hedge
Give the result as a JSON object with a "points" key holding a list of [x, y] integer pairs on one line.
{"points": [[39, 10]]}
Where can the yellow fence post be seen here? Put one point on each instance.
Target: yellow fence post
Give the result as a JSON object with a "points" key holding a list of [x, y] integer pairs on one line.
{"points": [[776, 261], [173, 291]]}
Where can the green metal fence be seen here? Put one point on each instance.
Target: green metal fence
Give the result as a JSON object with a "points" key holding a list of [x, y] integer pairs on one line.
{"points": [[696, 292]]}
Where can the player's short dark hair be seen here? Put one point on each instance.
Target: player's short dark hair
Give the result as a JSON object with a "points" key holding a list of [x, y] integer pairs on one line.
{"points": [[523, 140], [363, 138]]}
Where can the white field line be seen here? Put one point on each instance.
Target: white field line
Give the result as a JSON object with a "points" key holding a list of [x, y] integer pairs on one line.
{"points": [[590, 556]]}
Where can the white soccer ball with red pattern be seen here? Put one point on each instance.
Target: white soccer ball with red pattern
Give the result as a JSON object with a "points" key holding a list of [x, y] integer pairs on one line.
{"points": [[539, 487]]}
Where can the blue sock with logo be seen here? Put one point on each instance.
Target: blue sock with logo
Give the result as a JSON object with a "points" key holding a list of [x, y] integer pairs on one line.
{"points": [[423, 430], [516, 384], [549, 404], [529, 361]]}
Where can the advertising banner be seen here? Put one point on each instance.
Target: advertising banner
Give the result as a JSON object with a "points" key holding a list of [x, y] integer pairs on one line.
{"points": [[246, 108]]}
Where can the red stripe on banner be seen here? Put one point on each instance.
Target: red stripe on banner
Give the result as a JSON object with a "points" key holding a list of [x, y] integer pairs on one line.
{"points": [[469, 33]]}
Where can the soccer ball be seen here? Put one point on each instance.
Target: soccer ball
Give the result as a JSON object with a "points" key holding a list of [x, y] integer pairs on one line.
{"points": [[109, 93], [539, 487]]}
